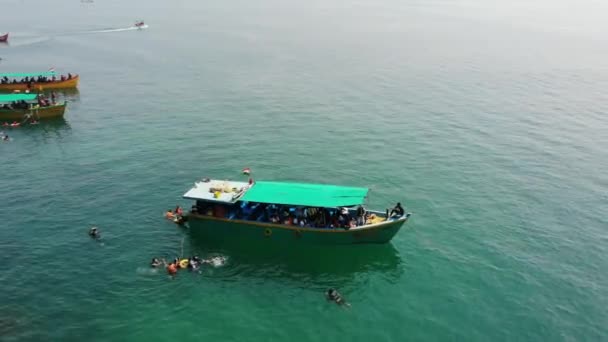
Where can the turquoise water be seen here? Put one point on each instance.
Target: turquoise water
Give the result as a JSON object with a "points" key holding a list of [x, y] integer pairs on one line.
{"points": [[487, 119]]}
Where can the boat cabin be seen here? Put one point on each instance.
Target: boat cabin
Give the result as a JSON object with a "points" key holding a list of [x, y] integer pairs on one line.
{"points": [[293, 204]]}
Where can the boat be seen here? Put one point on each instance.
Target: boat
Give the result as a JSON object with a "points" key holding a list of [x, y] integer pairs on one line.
{"points": [[9, 110], [265, 210], [139, 24], [16, 81], [4, 38]]}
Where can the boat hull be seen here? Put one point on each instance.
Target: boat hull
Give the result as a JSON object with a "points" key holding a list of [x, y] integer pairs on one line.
{"points": [[4, 38], [220, 229], [49, 112], [71, 83]]}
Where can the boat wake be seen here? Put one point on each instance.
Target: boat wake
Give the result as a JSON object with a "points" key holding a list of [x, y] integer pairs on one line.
{"points": [[131, 28]]}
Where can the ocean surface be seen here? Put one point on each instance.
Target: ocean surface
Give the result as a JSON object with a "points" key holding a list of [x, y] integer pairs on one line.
{"points": [[487, 119]]}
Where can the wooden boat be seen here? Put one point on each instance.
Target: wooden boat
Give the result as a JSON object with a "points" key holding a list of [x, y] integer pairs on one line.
{"points": [[238, 210], [35, 86], [34, 111], [4, 38]]}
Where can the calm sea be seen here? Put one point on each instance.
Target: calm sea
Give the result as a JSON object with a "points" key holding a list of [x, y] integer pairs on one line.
{"points": [[487, 119]]}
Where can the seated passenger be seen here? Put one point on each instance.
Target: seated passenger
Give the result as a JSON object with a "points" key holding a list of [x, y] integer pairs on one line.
{"points": [[397, 211]]}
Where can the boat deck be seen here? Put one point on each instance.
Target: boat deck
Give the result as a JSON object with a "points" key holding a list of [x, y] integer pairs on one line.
{"points": [[220, 191]]}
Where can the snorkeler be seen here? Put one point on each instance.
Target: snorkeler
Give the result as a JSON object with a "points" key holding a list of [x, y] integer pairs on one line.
{"points": [[94, 233], [335, 296]]}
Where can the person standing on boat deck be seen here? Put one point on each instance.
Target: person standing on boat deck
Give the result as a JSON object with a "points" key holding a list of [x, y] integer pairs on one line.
{"points": [[397, 211]]}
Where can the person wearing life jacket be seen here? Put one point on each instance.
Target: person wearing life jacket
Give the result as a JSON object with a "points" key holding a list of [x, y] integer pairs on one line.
{"points": [[172, 269]]}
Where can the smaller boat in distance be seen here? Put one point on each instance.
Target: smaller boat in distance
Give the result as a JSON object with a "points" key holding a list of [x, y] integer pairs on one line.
{"points": [[24, 106], [37, 81], [4, 38], [139, 24]]}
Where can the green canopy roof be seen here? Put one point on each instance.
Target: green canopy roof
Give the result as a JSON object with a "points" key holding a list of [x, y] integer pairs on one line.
{"points": [[17, 97], [311, 195], [27, 74]]}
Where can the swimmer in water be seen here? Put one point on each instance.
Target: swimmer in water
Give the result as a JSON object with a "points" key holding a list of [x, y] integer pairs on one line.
{"points": [[335, 296], [5, 138], [193, 265], [94, 233], [155, 263], [172, 269]]}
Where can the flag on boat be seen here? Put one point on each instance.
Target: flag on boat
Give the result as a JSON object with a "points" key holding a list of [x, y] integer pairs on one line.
{"points": [[246, 171]]}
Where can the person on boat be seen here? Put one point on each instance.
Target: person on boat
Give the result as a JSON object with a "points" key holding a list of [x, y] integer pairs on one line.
{"points": [[397, 211], [69, 76], [94, 233], [155, 263], [361, 213], [53, 98], [335, 296]]}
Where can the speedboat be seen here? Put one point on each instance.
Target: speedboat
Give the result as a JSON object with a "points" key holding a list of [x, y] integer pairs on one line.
{"points": [[139, 24], [4, 38]]}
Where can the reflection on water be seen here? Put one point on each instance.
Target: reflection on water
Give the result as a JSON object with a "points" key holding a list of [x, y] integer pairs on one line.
{"points": [[308, 265]]}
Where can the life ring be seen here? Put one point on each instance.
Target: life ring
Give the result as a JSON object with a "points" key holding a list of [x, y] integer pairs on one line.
{"points": [[183, 263], [267, 232], [298, 233]]}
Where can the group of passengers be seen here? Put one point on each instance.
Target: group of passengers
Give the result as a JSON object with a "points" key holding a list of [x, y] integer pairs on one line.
{"points": [[311, 217], [30, 80], [43, 101]]}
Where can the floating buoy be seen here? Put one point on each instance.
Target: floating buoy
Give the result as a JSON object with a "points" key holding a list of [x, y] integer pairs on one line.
{"points": [[183, 263]]}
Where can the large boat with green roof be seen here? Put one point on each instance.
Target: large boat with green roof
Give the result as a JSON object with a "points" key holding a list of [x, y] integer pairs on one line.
{"points": [[37, 81], [288, 212], [24, 106]]}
